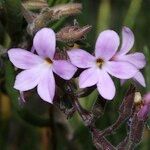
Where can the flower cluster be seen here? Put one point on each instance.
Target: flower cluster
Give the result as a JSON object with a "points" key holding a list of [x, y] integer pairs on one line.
{"points": [[39, 69]]}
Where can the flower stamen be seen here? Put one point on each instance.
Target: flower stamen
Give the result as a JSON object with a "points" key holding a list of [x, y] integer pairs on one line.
{"points": [[48, 60], [99, 62]]}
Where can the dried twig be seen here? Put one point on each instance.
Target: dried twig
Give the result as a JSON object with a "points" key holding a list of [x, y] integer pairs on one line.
{"points": [[125, 110]]}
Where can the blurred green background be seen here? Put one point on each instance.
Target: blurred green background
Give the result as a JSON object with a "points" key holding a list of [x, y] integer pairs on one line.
{"points": [[27, 126]]}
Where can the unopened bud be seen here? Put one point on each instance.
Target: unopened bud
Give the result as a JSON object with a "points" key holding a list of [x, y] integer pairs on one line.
{"points": [[72, 33], [51, 14], [144, 112], [146, 99], [66, 9], [34, 5], [145, 108], [28, 15]]}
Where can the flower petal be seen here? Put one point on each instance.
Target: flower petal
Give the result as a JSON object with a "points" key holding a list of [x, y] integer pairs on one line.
{"points": [[121, 70], [46, 87], [127, 40], [106, 86], [64, 69], [106, 44], [137, 59], [140, 78], [45, 42], [89, 77], [23, 59], [29, 79], [81, 58]]}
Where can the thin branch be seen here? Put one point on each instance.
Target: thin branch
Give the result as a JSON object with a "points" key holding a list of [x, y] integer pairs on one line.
{"points": [[126, 109]]}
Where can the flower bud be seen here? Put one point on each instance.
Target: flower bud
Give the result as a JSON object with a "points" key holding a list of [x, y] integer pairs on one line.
{"points": [[145, 108], [34, 5], [48, 15], [65, 10], [144, 112], [137, 98], [146, 99], [72, 33]]}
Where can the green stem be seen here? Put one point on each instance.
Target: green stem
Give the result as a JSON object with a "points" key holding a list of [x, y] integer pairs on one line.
{"points": [[51, 2], [132, 13], [147, 68], [57, 25], [131, 145], [104, 14]]}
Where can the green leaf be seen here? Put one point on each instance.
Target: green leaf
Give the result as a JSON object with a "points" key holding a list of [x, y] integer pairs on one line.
{"points": [[132, 13]]}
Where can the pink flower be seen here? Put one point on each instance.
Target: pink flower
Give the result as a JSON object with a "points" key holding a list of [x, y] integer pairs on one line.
{"points": [[100, 66], [137, 59], [145, 109], [39, 68]]}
